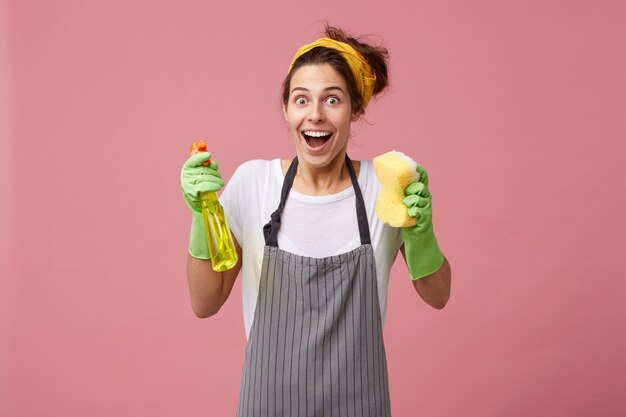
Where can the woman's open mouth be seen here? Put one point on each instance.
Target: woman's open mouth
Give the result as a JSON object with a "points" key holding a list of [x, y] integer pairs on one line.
{"points": [[316, 139]]}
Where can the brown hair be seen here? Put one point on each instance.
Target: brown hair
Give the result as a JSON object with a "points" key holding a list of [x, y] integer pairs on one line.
{"points": [[376, 56]]}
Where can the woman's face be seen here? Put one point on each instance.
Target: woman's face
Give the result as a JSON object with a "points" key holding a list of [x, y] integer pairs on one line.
{"points": [[319, 113]]}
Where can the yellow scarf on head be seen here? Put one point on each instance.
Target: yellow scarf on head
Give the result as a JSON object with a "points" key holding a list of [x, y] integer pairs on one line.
{"points": [[365, 77]]}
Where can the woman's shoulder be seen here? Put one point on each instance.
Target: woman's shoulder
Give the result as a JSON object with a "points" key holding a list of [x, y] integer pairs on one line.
{"points": [[257, 173], [256, 163], [367, 167], [255, 166], [368, 175]]}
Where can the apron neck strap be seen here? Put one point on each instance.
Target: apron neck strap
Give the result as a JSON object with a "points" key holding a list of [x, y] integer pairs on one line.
{"points": [[361, 214], [270, 230]]}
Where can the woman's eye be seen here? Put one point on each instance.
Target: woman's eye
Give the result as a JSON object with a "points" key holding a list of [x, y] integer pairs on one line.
{"points": [[301, 101], [333, 100]]}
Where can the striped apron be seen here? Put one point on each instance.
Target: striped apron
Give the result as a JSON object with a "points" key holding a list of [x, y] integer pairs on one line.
{"points": [[316, 343]]}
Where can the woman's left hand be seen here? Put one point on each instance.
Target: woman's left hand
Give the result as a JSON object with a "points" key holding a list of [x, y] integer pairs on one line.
{"points": [[419, 200], [421, 250]]}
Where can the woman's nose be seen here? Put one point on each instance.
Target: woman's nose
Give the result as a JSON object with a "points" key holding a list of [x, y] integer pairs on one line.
{"points": [[317, 113]]}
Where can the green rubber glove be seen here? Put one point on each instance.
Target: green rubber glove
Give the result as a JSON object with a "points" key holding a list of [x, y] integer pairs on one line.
{"points": [[196, 178], [423, 256]]}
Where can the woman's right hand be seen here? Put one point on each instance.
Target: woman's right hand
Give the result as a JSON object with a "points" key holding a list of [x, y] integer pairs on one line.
{"points": [[208, 289], [196, 178]]}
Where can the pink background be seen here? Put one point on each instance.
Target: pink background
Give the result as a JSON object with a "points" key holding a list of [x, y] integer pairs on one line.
{"points": [[516, 109]]}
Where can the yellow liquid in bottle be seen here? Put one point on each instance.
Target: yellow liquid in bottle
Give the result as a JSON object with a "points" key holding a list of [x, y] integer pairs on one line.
{"points": [[219, 239]]}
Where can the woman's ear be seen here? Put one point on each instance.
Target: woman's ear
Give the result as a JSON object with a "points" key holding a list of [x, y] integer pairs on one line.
{"points": [[285, 112], [356, 115]]}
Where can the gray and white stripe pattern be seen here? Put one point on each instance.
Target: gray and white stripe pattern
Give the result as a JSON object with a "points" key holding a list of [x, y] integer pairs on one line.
{"points": [[316, 344]]}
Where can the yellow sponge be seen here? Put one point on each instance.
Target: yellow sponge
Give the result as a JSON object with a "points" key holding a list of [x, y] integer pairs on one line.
{"points": [[395, 171]]}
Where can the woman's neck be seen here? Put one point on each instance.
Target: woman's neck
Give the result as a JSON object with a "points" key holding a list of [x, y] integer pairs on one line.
{"points": [[325, 180]]}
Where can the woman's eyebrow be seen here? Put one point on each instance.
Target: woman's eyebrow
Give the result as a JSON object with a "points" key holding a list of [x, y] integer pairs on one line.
{"points": [[333, 87]]}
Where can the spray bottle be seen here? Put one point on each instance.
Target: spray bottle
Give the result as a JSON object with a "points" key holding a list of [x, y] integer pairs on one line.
{"points": [[219, 239]]}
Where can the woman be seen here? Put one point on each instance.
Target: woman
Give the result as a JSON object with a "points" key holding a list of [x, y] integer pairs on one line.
{"points": [[314, 270]]}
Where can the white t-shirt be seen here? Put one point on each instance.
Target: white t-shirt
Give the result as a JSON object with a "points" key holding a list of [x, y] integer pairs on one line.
{"points": [[312, 226]]}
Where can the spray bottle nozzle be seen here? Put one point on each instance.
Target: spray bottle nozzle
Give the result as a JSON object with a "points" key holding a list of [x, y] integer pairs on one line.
{"points": [[198, 147]]}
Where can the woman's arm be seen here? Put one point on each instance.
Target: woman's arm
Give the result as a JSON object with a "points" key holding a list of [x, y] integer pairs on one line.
{"points": [[434, 288], [208, 289]]}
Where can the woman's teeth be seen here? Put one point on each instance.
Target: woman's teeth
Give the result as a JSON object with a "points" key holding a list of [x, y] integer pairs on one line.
{"points": [[316, 134]]}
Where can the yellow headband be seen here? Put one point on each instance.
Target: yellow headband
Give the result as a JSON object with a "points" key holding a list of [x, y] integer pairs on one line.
{"points": [[365, 77]]}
